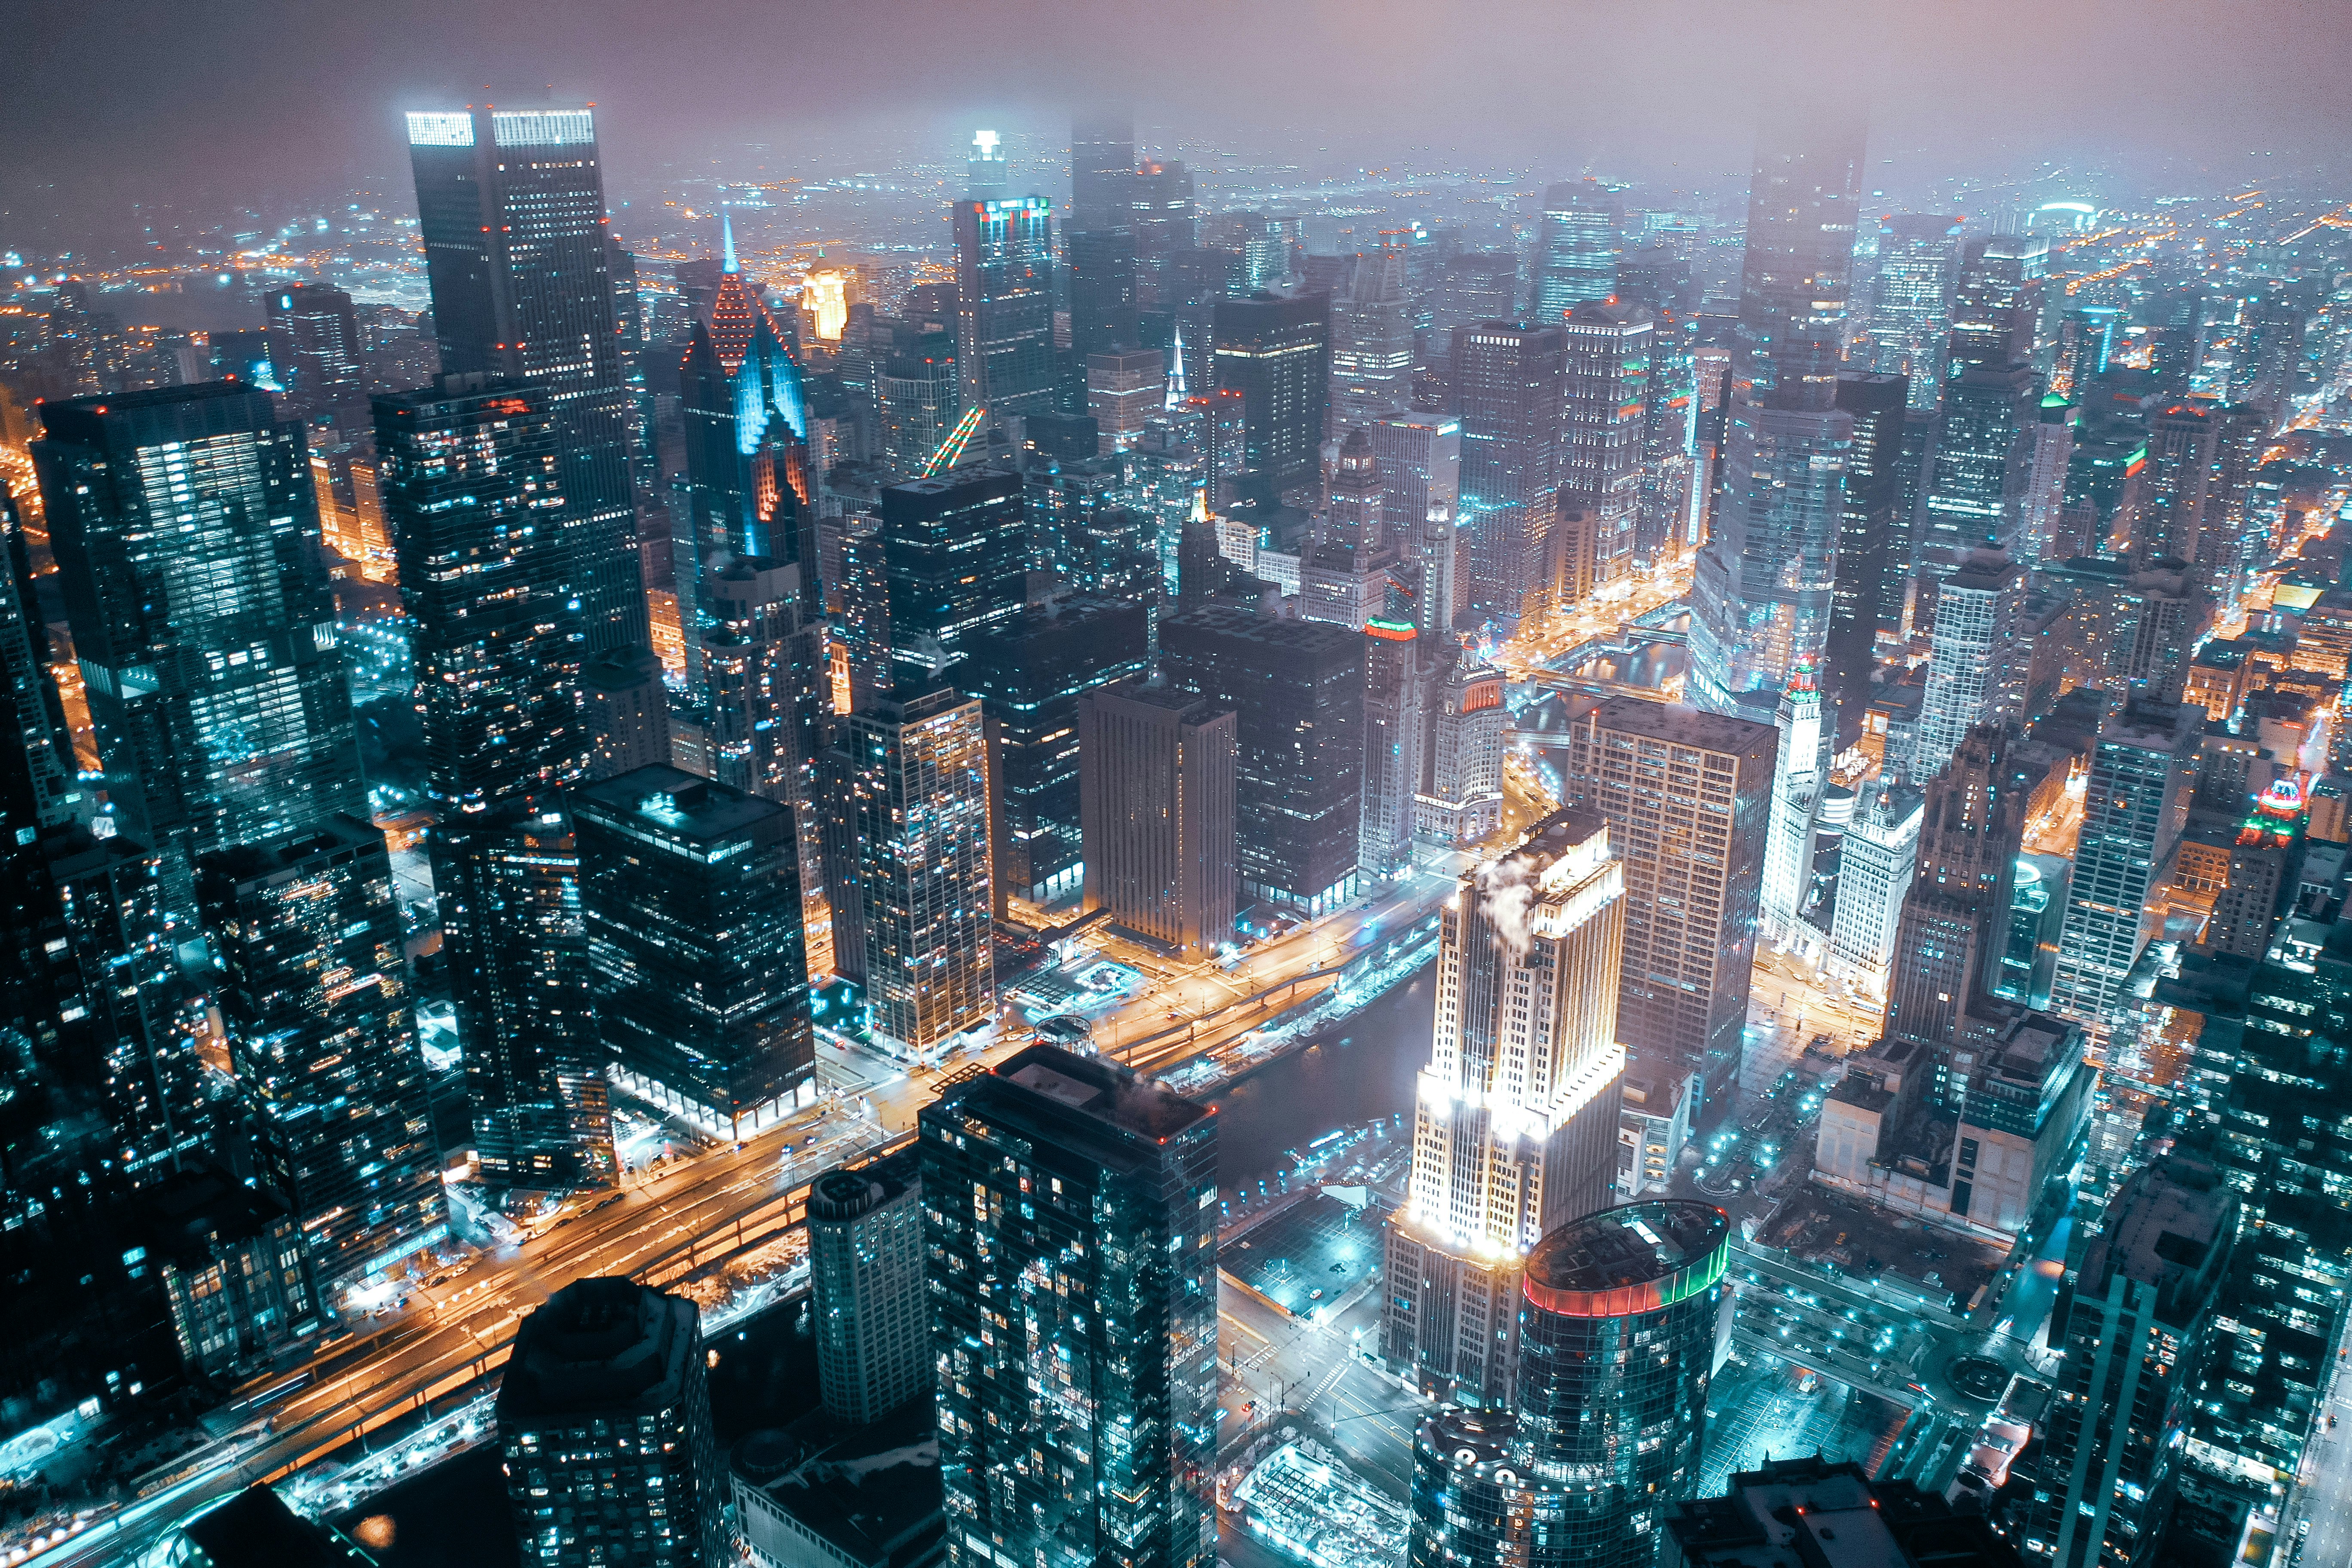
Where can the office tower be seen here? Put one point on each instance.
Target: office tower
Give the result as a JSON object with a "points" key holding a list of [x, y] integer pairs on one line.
{"points": [[471, 484], [1997, 303], [761, 663], [508, 884], [1125, 389], [1084, 1248], [690, 895], [956, 559], [1576, 250], [2087, 340], [919, 395], [2135, 1326], [1511, 393], [1420, 460], [750, 487], [1460, 800], [1797, 783], [510, 206], [1165, 222], [210, 666], [1616, 1338], [1394, 692], [1004, 304], [2180, 452], [1875, 864], [1970, 675], [1952, 930], [1611, 350], [1158, 796], [626, 709], [314, 994], [1102, 169], [1811, 1507], [1275, 351], [987, 176], [1873, 556], [1666, 520], [320, 359], [2133, 806], [1761, 597], [1688, 798], [865, 1276], [1911, 304], [604, 1431], [918, 804], [1976, 484], [1103, 318], [1298, 690], [1372, 343], [1031, 674], [33, 726], [1516, 1114], [1472, 289]]}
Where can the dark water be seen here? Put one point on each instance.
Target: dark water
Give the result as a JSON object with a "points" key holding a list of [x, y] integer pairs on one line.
{"points": [[1361, 1069], [1651, 665]]}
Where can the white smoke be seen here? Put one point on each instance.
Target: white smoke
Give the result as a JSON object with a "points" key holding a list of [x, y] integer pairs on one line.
{"points": [[1506, 902]]}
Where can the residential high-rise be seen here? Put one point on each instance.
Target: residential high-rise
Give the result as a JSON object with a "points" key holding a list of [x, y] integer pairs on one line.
{"points": [[761, 654], [1873, 556], [956, 560], [1616, 1333], [1372, 343], [1763, 593], [872, 1320], [1797, 783], [471, 484], [1954, 922], [1004, 304], [1275, 351], [314, 994], [1970, 675], [210, 663], [1510, 394], [1688, 798], [2180, 453], [1576, 250], [2134, 1325], [1610, 349], [1420, 459], [1875, 863], [1158, 794], [1911, 301], [605, 1432], [2142, 778], [511, 208], [1298, 690], [690, 895], [1395, 694], [1516, 1115], [1079, 1242], [917, 804], [320, 359]]}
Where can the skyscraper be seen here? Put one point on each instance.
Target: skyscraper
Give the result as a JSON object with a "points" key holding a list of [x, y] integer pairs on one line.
{"points": [[760, 651], [320, 357], [690, 895], [1797, 783], [1971, 678], [1516, 1114], [1165, 223], [1275, 351], [1372, 343], [1610, 349], [1103, 316], [605, 1432], [1576, 250], [1954, 922], [1616, 1333], [1687, 797], [1102, 169], [1074, 1283], [1874, 545], [1004, 304], [1875, 862], [314, 993], [1763, 595], [956, 559], [187, 534], [916, 803], [865, 1278], [1510, 394], [510, 206], [1157, 792], [1911, 301]]}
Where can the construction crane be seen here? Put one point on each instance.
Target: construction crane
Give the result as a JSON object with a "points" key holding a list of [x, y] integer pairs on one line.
{"points": [[952, 448]]}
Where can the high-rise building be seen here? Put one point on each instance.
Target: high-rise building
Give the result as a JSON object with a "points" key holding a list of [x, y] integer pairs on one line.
{"points": [[1666, 522], [1004, 304], [1372, 343], [1461, 798], [1611, 350], [2135, 804], [1103, 316], [1616, 1335], [1688, 798], [1975, 485], [956, 559], [1072, 1233], [916, 803], [760, 655], [2173, 488], [1472, 289], [1165, 222], [1396, 693], [1811, 1506], [1970, 675], [1102, 169], [1797, 785], [1953, 926], [471, 485], [1762, 593], [2134, 1326], [866, 1277], [1874, 554], [1510, 394], [690, 895], [1911, 301], [2043, 530], [510, 207], [314, 993], [1298, 690], [1997, 303], [605, 1432], [1875, 862], [1275, 351], [210, 666], [1420, 459], [319, 354], [1125, 390], [1158, 797], [1516, 1115], [918, 396], [1576, 250]]}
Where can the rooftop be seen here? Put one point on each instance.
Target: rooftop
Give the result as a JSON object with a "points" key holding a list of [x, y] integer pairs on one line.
{"points": [[1635, 1257], [1684, 725], [676, 803]]}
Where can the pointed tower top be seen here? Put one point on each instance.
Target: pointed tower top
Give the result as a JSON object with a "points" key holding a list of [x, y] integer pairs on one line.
{"points": [[727, 243], [1176, 370]]}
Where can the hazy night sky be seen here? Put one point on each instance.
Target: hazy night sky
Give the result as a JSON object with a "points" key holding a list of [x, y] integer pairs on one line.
{"points": [[103, 101]]}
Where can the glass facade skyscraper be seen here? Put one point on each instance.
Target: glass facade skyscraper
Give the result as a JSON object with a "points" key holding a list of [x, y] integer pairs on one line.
{"points": [[1004, 304], [1911, 301], [1275, 351], [1510, 395], [1576, 250]]}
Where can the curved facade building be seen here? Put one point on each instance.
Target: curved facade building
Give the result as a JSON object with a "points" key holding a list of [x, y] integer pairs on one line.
{"points": [[1617, 1340]]}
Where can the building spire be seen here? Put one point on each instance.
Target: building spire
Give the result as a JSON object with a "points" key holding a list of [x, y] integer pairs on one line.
{"points": [[1176, 370], [727, 243]]}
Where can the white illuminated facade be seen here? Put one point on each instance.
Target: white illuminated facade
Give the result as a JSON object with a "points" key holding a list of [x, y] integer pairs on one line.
{"points": [[1515, 1116], [1796, 806]]}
